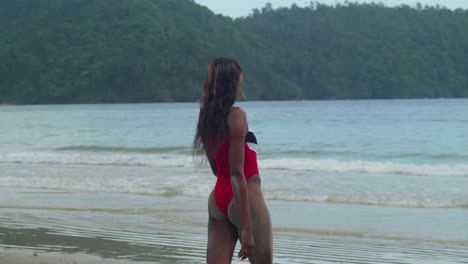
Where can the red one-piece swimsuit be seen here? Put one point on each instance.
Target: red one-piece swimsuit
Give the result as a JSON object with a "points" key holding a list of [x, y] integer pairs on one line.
{"points": [[223, 188]]}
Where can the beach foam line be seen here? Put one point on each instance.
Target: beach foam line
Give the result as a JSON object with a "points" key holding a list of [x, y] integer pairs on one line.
{"points": [[422, 201], [113, 159], [285, 164], [114, 149], [199, 185], [204, 190], [365, 167], [277, 152]]}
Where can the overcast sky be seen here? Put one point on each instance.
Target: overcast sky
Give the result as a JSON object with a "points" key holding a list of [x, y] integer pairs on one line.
{"points": [[239, 8]]}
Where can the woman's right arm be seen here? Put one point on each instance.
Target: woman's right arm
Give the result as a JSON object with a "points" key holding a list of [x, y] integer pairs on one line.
{"points": [[237, 122]]}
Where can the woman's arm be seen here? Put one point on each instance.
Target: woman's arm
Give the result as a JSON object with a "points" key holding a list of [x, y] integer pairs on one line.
{"points": [[237, 122]]}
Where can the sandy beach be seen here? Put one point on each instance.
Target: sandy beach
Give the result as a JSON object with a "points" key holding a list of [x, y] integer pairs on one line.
{"points": [[88, 246], [11, 256]]}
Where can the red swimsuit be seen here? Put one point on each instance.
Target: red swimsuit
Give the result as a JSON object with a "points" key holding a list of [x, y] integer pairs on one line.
{"points": [[223, 189]]}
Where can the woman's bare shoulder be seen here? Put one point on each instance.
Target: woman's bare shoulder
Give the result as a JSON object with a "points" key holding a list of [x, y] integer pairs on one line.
{"points": [[237, 121], [237, 112]]}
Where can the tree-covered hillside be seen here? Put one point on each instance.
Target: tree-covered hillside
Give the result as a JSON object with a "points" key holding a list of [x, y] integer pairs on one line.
{"points": [[88, 51], [366, 51]]}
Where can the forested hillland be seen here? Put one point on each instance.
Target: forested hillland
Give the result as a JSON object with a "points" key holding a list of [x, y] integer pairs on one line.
{"points": [[108, 51]]}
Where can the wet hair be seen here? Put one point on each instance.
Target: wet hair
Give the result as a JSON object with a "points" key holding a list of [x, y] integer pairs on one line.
{"points": [[222, 86]]}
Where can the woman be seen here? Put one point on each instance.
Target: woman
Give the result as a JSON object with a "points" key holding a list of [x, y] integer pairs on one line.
{"points": [[236, 206]]}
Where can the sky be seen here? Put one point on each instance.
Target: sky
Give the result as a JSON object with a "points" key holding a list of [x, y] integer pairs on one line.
{"points": [[240, 8]]}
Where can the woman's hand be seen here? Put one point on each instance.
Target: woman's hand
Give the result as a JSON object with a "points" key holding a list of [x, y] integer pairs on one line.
{"points": [[247, 243]]}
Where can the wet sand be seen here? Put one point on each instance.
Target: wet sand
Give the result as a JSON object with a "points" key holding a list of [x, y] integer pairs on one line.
{"points": [[11, 256], [70, 246]]}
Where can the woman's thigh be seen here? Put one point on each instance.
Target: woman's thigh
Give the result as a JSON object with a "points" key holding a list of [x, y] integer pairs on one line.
{"points": [[261, 224], [222, 235]]}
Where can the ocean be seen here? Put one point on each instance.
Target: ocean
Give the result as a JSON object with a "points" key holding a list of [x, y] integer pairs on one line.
{"points": [[367, 181]]}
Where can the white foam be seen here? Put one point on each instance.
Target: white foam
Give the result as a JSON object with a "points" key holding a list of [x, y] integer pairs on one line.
{"points": [[158, 183], [291, 164], [185, 182], [421, 201], [86, 158], [368, 167]]}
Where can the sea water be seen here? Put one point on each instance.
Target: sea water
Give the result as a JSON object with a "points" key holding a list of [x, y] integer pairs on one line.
{"points": [[394, 170]]}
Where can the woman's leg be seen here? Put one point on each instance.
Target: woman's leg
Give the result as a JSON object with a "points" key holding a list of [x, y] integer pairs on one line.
{"points": [[261, 224], [263, 250], [222, 235]]}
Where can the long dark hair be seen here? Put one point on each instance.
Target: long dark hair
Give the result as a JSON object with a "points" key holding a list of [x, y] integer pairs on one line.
{"points": [[222, 86]]}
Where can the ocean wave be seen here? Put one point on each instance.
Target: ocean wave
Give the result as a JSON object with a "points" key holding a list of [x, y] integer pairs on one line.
{"points": [[372, 200], [156, 159], [187, 150], [177, 182], [308, 152], [103, 158], [366, 167], [434, 156], [113, 149], [201, 190]]}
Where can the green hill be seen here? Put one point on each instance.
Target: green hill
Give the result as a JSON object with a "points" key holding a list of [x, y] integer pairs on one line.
{"points": [[366, 51], [88, 51]]}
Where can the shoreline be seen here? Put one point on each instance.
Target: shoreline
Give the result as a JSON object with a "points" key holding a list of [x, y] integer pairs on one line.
{"points": [[244, 101], [25, 256], [186, 248]]}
